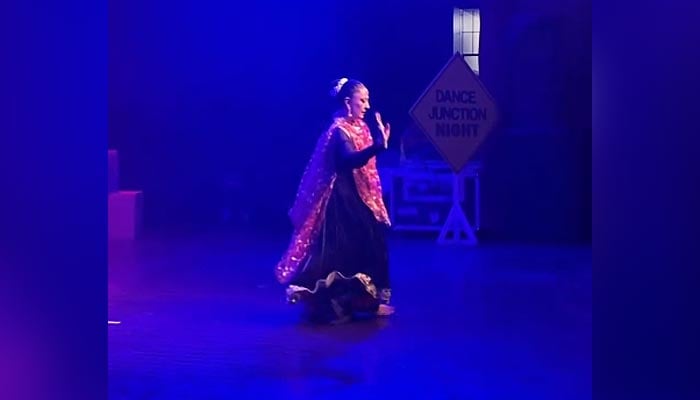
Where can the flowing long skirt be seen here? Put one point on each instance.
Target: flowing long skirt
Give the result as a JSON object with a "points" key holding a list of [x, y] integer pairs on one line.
{"points": [[347, 270]]}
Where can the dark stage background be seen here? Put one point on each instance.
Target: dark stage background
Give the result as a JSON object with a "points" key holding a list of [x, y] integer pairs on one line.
{"points": [[213, 104]]}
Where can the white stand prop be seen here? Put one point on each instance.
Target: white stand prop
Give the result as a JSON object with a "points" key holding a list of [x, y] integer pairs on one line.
{"points": [[457, 229]]}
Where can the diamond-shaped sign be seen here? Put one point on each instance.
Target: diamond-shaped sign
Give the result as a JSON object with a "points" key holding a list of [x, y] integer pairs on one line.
{"points": [[455, 112]]}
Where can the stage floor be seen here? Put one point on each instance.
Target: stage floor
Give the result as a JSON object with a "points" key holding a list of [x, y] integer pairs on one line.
{"points": [[201, 317]]}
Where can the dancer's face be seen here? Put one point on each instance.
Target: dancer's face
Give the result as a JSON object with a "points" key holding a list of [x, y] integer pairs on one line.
{"points": [[358, 104]]}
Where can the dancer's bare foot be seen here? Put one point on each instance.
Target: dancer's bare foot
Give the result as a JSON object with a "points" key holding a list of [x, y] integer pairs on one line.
{"points": [[385, 309]]}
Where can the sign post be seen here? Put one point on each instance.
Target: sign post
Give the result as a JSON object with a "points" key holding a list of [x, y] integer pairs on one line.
{"points": [[457, 114]]}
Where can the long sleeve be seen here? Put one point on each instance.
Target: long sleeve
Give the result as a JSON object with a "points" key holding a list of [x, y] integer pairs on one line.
{"points": [[346, 155]]}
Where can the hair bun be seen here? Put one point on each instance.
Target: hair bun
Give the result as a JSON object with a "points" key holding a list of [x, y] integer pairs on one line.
{"points": [[338, 85]]}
